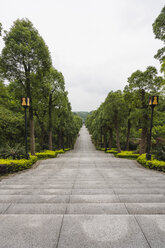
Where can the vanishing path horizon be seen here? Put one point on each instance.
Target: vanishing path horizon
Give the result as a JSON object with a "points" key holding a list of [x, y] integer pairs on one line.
{"points": [[84, 198]]}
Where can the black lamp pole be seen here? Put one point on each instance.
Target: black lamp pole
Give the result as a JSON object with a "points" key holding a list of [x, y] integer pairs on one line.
{"points": [[26, 145], [148, 155], [153, 101], [25, 102]]}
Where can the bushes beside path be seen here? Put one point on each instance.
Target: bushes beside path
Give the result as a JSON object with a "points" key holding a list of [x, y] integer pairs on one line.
{"points": [[151, 164], [14, 165]]}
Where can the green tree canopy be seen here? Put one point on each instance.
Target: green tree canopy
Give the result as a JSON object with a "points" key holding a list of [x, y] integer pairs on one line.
{"points": [[25, 58]]}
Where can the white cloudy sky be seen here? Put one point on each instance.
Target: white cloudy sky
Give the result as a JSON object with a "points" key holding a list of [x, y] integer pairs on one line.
{"points": [[96, 44]]}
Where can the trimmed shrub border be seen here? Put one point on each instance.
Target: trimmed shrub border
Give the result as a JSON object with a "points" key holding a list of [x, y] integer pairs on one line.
{"points": [[11, 166], [141, 159], [127, 154], [151, 164], [111, 151]]}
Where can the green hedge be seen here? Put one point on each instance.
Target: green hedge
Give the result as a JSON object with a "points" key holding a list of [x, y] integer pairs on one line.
{"points": [[67, 149], [11, 166], [46, 154], [152, 164], [99, 148], [113, 150], [127, 154], [60, 151]]}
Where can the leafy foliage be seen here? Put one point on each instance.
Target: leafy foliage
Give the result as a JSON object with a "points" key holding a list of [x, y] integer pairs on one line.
{"points": [[127, 154], [26, 63], [123, 119], [160, 153], [11, 166], [152, 164], [46, 154], [82, 114], [16, 152]]}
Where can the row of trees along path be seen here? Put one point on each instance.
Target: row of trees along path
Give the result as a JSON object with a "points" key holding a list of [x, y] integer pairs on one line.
{"points": [[122, 120], [26, 63]]}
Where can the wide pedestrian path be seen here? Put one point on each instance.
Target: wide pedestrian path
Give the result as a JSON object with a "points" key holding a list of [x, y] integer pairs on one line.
{"points": [[83, 199]]}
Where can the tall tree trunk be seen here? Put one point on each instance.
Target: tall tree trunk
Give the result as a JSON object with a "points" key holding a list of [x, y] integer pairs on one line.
{"points": [[50, 122], [110, 138], [128, 135], [59, 140], [42, 138], [62, 141], [32, 137], [105, 141], [43, 131], [117, 133], [50, 140], [143, 141]]}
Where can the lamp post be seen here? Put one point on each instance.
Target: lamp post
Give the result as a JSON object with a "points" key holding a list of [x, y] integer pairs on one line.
{"points": [[153, 101], [25, 102]]}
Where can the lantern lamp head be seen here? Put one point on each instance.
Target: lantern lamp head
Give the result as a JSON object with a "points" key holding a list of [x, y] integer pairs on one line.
{"points": [[153, 100], [25, 101]]}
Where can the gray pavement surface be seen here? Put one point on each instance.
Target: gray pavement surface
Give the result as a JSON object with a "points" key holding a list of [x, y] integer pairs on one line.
{"points": [[83, 199]]}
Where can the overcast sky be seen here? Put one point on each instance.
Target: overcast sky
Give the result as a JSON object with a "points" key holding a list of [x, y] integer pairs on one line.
{"points": [[96, 44]]}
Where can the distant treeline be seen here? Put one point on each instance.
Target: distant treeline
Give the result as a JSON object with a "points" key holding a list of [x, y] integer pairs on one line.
{"points": [[82, 114]]}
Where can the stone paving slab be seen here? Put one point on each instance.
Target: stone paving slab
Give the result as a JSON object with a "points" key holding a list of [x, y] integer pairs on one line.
{"points": [[142, 198], [96, 208], [27, 231], [4, 207], [83, 186], [139, 191], [44, 191], [146, 208], [11, 191], [9, 198], [153, 227], [137, 185], [20, 182], [44, 199], [92, 191], [22, 186], [101, 232], [36, 208], [94, 198]]}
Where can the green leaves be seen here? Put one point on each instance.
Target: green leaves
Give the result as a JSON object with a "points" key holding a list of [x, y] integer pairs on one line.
{"points": [[25, 61], [24, 52], [159, 26], [0, 29], [159, 31]]}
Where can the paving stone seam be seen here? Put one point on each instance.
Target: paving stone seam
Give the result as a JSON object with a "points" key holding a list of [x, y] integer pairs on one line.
{"points": [[60, 232], [126, 208], [142, 231], [6, 209]]}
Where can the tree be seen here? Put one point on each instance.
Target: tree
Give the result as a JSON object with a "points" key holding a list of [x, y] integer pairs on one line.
{"points": [[56, 91], [159, 31], [0, 29], [24, 58], [132, 113], [117, 109], [109, 116], [143, 83]]}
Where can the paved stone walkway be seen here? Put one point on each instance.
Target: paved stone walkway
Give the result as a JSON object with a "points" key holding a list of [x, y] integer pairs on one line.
{"points": [[83, 199]]}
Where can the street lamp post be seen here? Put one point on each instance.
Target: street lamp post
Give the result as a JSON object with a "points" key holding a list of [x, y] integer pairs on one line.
{"points": [[153, 101], [25, 102]]}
